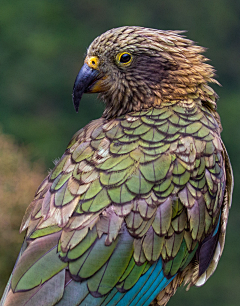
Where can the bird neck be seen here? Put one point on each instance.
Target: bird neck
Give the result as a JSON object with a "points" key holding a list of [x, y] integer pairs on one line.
{"points": [[122, 104]]}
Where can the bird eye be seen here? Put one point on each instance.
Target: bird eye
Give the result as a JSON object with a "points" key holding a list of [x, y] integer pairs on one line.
{"points": [[124, 58]]}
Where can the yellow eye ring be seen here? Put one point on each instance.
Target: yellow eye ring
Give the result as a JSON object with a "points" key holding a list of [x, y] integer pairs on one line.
{"points": [[93, 62], [124, 58]]}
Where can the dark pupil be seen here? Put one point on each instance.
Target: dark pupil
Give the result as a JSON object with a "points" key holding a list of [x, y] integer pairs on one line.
{"points": [[125, 58]]}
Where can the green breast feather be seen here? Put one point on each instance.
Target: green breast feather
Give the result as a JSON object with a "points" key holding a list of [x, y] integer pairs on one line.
{"points": [[125, 191]]}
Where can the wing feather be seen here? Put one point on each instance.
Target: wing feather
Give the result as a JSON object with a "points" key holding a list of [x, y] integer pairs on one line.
{"points": [[139, 195]]}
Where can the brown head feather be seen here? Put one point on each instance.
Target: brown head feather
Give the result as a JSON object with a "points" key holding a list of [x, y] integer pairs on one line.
{"points": [[166, 67]]}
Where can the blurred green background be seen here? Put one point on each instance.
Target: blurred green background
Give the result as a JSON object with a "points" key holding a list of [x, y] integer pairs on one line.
{"points": [[42, 47]]}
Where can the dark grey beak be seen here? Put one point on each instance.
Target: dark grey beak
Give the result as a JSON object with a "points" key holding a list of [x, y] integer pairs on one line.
{"points": [[85, 77]]}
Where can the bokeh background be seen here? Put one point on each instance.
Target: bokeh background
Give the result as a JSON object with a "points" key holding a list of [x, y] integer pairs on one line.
{"points": [[42, 47]]}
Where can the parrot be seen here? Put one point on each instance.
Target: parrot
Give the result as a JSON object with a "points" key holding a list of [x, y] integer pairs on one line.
{"points": [[139, 202]]}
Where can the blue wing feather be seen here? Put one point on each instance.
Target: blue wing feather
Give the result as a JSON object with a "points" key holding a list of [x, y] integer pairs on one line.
{"points": [[143, 292]]}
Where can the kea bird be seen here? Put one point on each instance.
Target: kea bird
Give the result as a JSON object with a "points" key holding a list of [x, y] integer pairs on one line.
{"points": [[138, 204]]}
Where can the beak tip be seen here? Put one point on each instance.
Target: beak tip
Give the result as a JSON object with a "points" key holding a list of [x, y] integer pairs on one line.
{"points": [[76, 103]]}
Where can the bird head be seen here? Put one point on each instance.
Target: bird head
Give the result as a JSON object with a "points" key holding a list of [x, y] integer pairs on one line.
{"points": [[133, 68]]}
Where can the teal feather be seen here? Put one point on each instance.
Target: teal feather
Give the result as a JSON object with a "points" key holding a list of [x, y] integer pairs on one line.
{"points": [[217, 227], [140, 292]]}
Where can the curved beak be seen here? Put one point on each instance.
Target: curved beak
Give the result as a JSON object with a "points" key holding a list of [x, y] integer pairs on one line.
{"points": [[85, 80]]}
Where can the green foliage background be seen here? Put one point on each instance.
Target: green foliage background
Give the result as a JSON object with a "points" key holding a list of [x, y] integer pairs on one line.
{"points": [[42, 48]]}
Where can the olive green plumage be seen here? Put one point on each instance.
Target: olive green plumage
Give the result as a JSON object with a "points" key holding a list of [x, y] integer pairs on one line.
{"points": [[149, 181]]}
